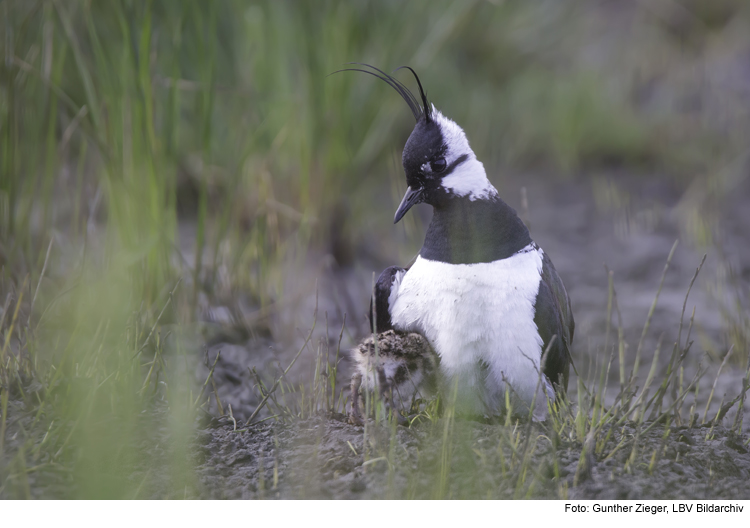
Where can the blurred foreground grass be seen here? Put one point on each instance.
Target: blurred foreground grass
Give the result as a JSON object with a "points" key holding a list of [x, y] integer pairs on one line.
{"points": [[157, 154]]}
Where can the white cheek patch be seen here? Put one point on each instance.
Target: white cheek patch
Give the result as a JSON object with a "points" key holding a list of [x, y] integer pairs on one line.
{"points": [[468, 178]]}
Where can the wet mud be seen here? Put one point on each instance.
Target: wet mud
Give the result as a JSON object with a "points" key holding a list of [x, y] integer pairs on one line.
{"points": [[583, 228], [324, 458]]}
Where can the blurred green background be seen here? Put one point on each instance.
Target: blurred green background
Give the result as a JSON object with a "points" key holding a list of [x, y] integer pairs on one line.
{"points": [[146, 142]]}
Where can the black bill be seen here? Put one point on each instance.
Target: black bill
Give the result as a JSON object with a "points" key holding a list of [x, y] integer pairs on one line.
{"points": [[411, 198]]}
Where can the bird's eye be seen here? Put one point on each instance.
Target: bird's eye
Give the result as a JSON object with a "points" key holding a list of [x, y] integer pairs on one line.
{"points": [[438, 165]]}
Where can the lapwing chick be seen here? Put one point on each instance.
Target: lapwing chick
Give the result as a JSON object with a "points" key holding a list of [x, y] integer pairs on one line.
{"points": [[399, 367], [484, 295]]}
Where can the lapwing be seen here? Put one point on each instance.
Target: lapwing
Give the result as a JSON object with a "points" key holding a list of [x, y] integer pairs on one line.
{"points": [[402, 366], [485, 296]]}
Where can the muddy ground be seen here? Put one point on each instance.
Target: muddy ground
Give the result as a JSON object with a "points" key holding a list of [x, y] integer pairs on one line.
{"points": [[623, 222], [314, 459], [627, 223], [323, 456]]}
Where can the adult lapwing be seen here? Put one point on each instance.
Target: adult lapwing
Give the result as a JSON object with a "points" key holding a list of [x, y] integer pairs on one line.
{"points": [[484, 295]]}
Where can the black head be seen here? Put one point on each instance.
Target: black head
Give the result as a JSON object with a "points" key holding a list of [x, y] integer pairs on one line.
{"points": [[432, 154], [435, 154]]}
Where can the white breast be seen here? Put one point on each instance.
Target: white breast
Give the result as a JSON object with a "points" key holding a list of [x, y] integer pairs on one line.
{"points": [[474, 313]]}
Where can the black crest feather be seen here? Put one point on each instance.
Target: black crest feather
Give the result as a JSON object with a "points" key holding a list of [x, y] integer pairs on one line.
{"points": [[425, 103], [417, 109]]}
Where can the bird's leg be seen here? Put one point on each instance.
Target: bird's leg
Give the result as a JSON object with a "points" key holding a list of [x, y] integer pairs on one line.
{"points": [[387, 386], [402, 418], [355, 417], [385, 389], [386, 396]]}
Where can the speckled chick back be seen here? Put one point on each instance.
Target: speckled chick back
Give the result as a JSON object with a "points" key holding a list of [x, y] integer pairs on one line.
{"points": [[403, 362]]}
